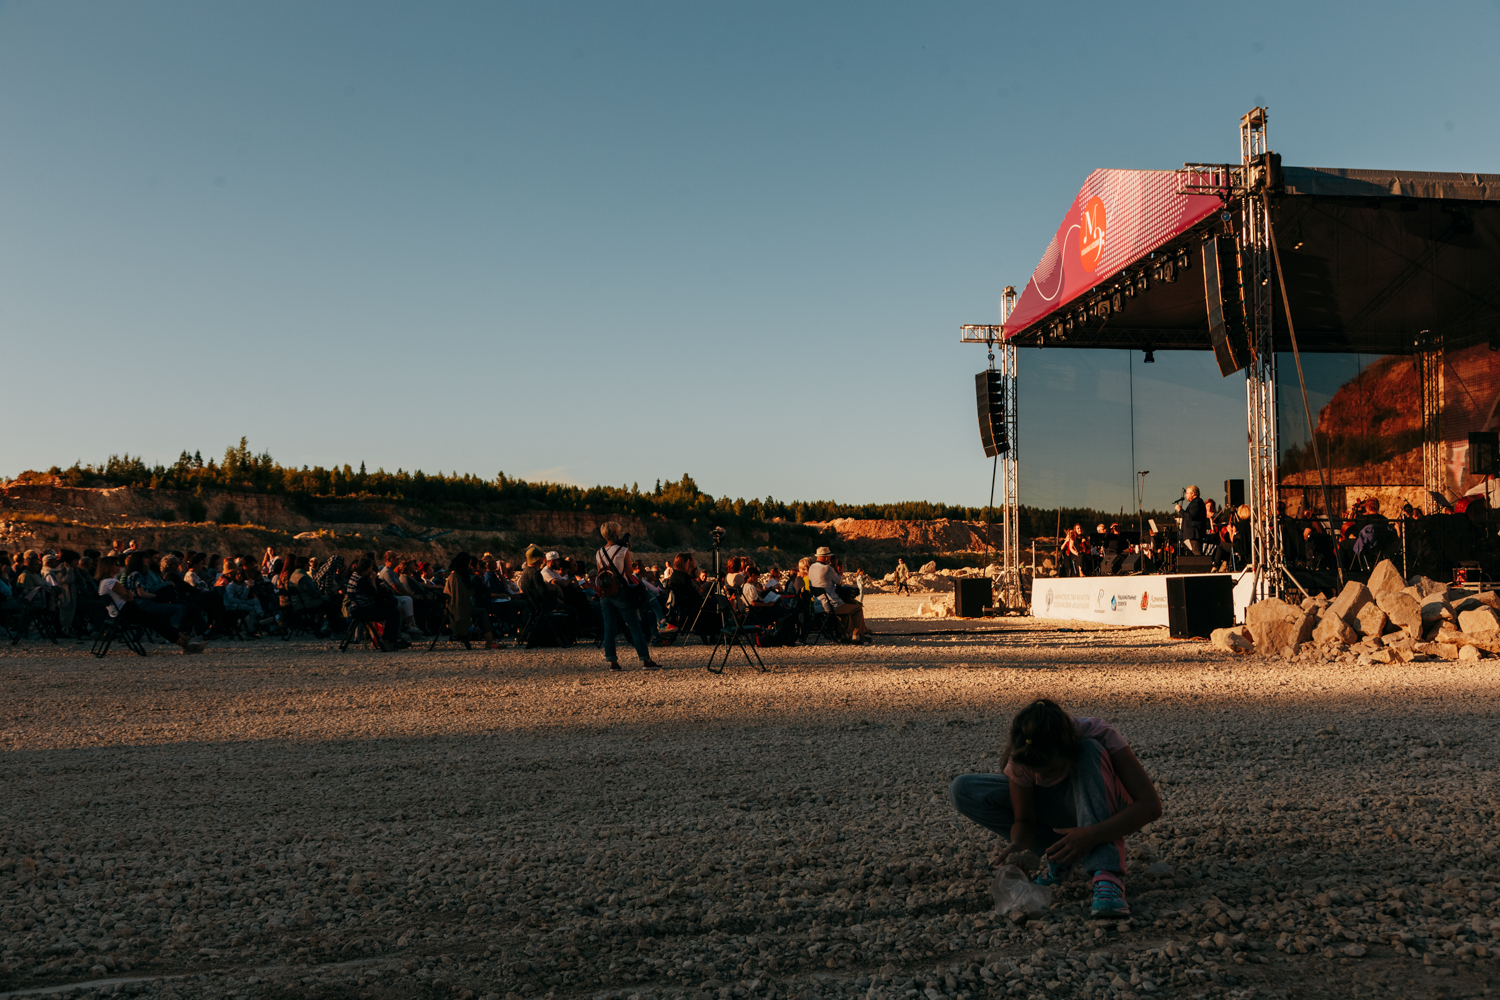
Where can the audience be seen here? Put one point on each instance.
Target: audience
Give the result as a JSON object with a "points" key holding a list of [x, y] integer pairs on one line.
{"points": [[825, 581]]}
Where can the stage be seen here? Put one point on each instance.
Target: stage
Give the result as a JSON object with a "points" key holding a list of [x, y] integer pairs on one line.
{"points": [[1121, 600]]}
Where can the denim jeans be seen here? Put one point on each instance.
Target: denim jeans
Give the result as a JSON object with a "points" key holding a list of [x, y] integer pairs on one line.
{"points": [[1089, 794], [614, 610]]}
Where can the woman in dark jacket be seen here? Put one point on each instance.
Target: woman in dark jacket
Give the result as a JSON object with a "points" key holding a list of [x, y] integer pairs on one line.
{"points": [[683, 586]]}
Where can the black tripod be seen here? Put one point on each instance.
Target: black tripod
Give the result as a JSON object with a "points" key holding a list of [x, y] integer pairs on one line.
{"points": [[716, 585], [732, 631]]}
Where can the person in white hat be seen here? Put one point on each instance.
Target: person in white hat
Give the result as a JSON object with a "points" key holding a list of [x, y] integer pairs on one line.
{"points": [[824, 580], [550, 572]]}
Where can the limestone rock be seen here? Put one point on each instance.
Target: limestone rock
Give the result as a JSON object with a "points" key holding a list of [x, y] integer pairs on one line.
{"points": [[1401, 609], [1332, 628], [1434, 609], [1426, 587], [1480, 619], [1372, 621], [1385, 577], [1278, 628], [1468, 653], [1233, 640], [1353, 599], [1442, 650]]}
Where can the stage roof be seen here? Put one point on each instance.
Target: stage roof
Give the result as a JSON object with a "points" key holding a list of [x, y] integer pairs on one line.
{"points": [[1372, 257]]}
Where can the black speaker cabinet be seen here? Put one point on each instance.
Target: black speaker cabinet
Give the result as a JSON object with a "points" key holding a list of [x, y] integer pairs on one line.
{"points": [[1226, 312], [1196, 605], [1109, 564], [971, 597], [989, 393], [1484, 453], [1130, 564], [1234, 492], [1195, 564]]}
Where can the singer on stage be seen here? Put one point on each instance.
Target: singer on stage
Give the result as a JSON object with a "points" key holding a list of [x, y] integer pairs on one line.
{"points": [[1194, 520]]}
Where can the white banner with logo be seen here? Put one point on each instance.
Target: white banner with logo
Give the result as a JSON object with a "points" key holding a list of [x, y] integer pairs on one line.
{"points": [[1118, 600]]}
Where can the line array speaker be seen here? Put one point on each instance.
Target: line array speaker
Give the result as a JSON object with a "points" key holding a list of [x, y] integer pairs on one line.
{"points": [[1226, 308], [1234, 492], [989, 389], [1484, 453]]}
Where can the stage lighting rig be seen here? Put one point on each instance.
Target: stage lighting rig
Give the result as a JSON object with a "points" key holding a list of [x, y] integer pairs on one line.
{"points": [[1150, 357]]}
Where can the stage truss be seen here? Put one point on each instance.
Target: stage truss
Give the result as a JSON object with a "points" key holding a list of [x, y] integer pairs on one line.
{"points": [[1010, 593], [1430, 370]]}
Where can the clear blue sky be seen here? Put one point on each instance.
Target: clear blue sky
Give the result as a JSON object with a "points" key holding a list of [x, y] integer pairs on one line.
{"points": [[611, 242]]}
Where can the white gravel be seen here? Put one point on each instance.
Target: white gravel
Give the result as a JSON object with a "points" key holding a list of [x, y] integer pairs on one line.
{"points": [[282, 820]]}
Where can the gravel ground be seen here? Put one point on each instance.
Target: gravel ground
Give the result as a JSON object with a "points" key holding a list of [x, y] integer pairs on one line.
{"points": [[282, 820]]}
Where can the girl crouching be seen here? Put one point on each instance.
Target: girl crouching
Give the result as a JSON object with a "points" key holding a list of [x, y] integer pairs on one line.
{"points": [[1071, 788]]}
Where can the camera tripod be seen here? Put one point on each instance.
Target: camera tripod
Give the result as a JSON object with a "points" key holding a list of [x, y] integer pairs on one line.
{"points": [[729, 634]]}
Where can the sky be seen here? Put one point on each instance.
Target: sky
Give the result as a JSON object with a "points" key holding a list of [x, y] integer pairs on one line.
{"points": [[617, 242]]}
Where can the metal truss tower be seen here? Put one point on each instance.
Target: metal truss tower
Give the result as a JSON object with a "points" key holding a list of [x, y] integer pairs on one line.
{"points": [[1430, 368], [1011, 594], [1254, 239]]}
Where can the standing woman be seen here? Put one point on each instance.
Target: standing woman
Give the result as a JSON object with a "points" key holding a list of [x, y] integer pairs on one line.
{"points": [[615, 558]]}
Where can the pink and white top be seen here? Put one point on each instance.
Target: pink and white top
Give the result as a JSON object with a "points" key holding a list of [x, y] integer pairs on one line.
{"points": [[1088, 729]]}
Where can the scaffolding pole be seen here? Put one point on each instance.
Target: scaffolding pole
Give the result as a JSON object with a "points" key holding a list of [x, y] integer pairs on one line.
{"points": [[1009, 591]]}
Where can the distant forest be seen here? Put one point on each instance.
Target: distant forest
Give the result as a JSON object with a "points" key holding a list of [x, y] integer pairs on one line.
{"points": [[242, 471]]}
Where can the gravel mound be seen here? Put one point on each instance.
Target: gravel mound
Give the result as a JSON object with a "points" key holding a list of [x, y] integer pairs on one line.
{"points": [[281, 820]]}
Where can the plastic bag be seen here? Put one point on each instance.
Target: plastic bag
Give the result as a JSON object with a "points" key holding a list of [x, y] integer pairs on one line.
{"points": [[1014, 891]]}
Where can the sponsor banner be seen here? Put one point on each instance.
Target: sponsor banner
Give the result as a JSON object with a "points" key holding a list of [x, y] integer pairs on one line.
{"points": [[1117, 600], [1118, 217]]}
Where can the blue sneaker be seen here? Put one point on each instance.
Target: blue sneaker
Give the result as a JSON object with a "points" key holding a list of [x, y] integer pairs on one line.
{"points": [[1109, 898], [1052, 873]]}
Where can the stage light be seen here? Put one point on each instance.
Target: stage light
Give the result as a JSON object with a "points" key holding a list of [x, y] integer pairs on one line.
{"points": [[1183, 258], [1150, 356]]}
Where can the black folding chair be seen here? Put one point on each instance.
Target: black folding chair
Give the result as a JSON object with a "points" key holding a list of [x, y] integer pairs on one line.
{"points": [[733, 633], [356, 625], [541, 626], [40, 614], [115, 629], [817, 623], [446, 625]]}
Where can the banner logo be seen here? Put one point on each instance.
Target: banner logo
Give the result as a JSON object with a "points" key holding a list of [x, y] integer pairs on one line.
{"points": [[1091, 227], [1049, 598], [1145, 599]]}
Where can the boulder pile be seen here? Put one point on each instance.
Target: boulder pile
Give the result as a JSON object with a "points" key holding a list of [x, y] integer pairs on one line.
{"points": [[1387, 620]]}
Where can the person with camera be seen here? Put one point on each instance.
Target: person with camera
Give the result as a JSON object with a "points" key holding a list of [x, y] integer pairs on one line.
{"points": [[621, 596], [826, 582]]}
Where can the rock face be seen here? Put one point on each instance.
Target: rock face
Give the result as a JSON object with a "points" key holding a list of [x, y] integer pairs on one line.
{"points": [[1425, 587], [1385, 577], [1353, 599], [1332, 628], [1278, 628], [1401, 609], [1233, 640], [1481, 619], [1372, 621]]}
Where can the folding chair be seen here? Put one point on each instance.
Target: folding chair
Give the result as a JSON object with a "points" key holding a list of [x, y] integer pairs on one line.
{"points": [[558, 625], [447, 626], [820, 624], [114, 628], [40, 613], [351, 634], [733, 633]]}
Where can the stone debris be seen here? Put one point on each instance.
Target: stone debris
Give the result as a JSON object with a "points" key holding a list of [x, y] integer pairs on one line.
{"points": [[281, 820]]}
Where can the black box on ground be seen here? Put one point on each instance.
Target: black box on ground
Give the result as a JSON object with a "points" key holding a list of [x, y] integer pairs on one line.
{"points": [[1196, 605], [971, 597]]}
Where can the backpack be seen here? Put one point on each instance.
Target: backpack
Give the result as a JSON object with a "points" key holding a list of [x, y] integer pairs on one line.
{"points": [[607, 581]]}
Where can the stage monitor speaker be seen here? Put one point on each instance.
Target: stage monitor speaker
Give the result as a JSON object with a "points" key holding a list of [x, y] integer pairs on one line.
{"points": [[1109, 565], [1195, 564], [1226, 310], [1196, 605], [1131, 564], [1484, 453], [971, 597], [989, 391], [1234, 492]]}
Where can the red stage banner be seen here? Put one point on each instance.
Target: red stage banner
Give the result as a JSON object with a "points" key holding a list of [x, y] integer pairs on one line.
{"points": [[1118, 217]]}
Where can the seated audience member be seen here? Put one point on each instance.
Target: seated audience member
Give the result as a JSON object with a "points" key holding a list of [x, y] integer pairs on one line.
{"points": [[545, 596], [390, 575], [307, 599], [825, 581], [29, 577], [683, 594], [124, 605], [241, 602], [80, 605], [365, 601], [149, 591], [734, 574], [555, 569], [7, 573], [330, 577], [462, 613]]}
